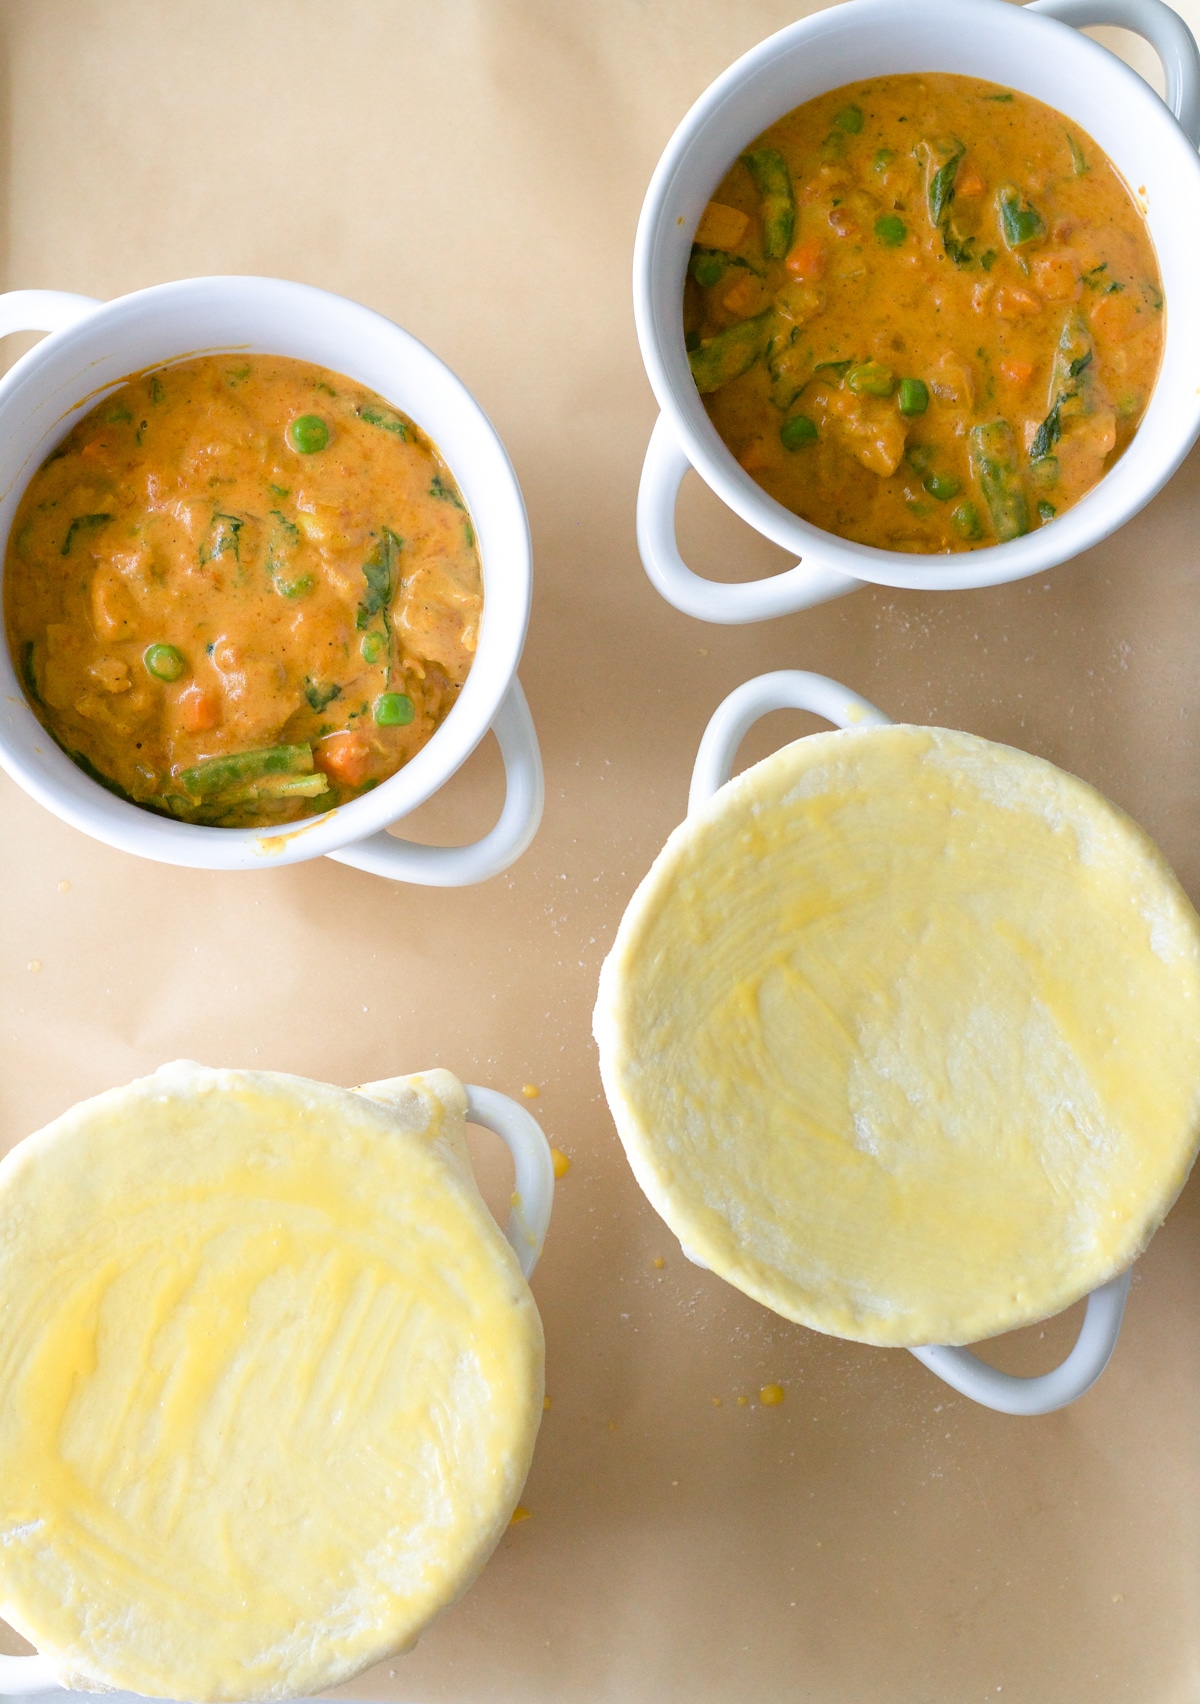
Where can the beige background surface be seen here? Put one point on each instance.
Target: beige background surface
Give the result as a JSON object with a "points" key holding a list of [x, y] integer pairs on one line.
{"points": [[475, 171]]}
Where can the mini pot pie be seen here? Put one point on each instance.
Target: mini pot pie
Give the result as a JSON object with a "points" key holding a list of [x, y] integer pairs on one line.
{"points": [[901, 1034], [270, 1379]]}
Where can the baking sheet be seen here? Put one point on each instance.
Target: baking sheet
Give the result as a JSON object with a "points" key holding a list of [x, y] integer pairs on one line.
{"points": [[475, 171]]}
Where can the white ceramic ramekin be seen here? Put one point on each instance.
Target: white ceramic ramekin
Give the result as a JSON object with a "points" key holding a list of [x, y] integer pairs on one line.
{"points": [[793, 689], [1023, 47], [93, 346], [528, 1222]]}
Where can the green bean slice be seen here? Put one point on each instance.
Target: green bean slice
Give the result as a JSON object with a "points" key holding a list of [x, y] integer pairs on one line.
{"points": [[217, 774], [164, 662], [773, 182], [731, 353], [871, 378], [965, 520], [995, 464]]}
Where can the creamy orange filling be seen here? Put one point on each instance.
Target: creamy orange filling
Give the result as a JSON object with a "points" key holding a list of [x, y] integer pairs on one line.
{"points": [[242, 590]]}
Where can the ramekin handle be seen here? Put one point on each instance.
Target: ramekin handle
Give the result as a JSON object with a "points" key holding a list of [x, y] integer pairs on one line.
{"points": [[786, 689], [1157, 24], [24, 1675], [533, 1184], [42, 310], [711, 600], [1008, 1394], [458, 866]]}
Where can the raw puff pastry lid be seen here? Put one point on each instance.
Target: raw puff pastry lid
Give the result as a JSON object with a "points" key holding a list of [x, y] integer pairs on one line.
{"points": [[901, 1034], [270, 1379]]}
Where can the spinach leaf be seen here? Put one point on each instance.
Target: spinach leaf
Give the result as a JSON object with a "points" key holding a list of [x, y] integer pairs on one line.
{"points": [[28, 677], [379, 570], [958, 252], [285, 536], [319, 696], [1020, 221], [385, 418], [1048, 434], [79, 524], [222, 538], [941, 184]]}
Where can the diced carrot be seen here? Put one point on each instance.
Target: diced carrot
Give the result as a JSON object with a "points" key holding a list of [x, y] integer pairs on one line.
{"points": [[98, 451], [807, 259], [756, 455], [1057, 277], [1012, 303], [1116, 315], [742, 297], [721, 227], [1017, 373], [968, 181], [344, 757], [199, 710]]}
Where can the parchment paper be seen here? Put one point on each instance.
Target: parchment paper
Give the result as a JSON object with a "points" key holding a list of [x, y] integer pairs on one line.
{"points": [[475, 170]]}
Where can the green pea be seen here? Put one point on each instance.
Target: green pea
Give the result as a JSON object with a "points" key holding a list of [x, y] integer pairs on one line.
{"points": [[708, 269], [393, 710], [919, 456], [943, 486], [914, 396], [164, 662], [890, 229], [297, 588], [966, 521], [850, 118], [371, 647], [1047, 511], [883, 159], [871, 378], [308, 434], [797, 432]]}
